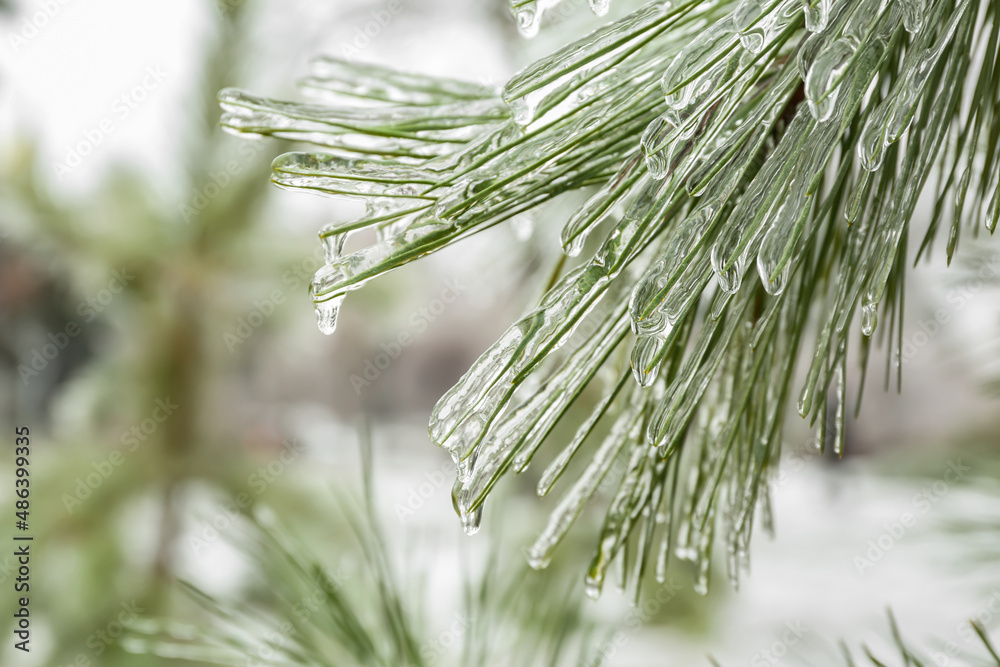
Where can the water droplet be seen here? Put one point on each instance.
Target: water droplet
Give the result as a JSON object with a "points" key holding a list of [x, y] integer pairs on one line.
{"points": [[644, 353], [869, 318], [776, 285], [871, 143], [333, 245], [327, 312], [600, 7], [746, 12], [805, 400], [914, 12], [521, 111], [471, 521], [818, 16], [537, 560], [821, 86], [656, 164], [528, 17]]}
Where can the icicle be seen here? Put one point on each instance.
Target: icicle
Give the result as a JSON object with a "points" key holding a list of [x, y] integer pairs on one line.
{"points": [[333, 245], [471, 520], [746, 13], [869, 316], [692, 58], [645, 355], [895, 113], [913, 14], [822, 87], [647, 304], [597, 209], [527, 15], [872, 142], [653, 137], [838, 442], [572, 503], [776, 240], [818, 16], [579, 54], [327, 312], [619, 518], [704, 555]]}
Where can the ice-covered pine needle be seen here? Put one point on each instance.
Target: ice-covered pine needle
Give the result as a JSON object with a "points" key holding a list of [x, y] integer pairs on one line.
{"points": [[754, 168]]}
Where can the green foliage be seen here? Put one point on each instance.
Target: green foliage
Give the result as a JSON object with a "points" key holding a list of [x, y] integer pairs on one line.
{"points": [[324, 611], [782, 138]]}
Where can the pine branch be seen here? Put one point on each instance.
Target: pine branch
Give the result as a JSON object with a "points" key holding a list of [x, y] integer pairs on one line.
{"points": [[786, 139]]}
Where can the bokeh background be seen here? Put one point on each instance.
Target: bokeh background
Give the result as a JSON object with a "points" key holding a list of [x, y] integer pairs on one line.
{"points": [[158, 340]]}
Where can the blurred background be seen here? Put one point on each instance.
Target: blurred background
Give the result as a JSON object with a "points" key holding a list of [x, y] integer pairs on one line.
{"points": [[158, 340]]}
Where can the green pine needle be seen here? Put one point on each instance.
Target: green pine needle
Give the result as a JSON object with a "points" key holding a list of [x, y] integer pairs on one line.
{"points": [[754, 168]]}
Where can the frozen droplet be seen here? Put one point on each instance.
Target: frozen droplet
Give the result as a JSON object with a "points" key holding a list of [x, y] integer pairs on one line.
{"points": [[779, 240], [730, 276], [644, 353], [914, 12], [520, 111], [471, 521], [600, 7], [765, 268], [333, 245], [527, 15], [600, 206], [869, 318], [327, 312], [656, 164], [745, 14], [804, 402], [537, 560], [871, 144], [818, 15], [822, 85], [730, 279], [653, 141]]}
